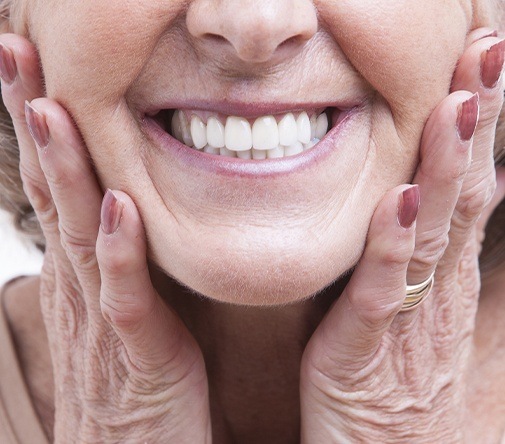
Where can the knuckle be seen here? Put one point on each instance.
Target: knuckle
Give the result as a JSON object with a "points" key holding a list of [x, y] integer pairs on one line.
{"points": [[15, 105], [115, 263], [29, 174], [447, 331], [32, 186], [79, 250], [122, 310], [396, 257], [59, 179], [38, 199], [392, 252], [429, 251], [69, 312], [378, 309], [490, 110], [42, 204], [472, 203]]}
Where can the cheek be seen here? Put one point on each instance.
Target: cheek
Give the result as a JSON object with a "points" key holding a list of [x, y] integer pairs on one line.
{"points": [[88, 54], [400, 43]]}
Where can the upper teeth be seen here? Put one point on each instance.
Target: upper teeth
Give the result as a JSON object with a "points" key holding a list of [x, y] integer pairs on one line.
{"points": [[268, 137]]}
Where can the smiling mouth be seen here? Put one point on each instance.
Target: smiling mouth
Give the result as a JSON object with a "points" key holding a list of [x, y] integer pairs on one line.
{"points": [[265, 137]]}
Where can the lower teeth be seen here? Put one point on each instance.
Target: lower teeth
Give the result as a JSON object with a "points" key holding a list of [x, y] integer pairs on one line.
{"points": [[275, 153]]}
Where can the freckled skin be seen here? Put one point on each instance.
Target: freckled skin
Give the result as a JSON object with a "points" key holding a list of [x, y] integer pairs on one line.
{"points": [[251, 241]]}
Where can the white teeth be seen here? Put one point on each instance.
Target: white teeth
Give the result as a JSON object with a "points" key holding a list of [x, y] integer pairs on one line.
{"points": [[211, 150], [237, 134], [265, 133], [303, 127], [313, 124], [276, 153], [246, 155], [259, 154], [321, 126], [312, 143], [180, 126], [288, 134], [215, 133], [198, 132], [226, 152], [267, 139], [293, 150]]}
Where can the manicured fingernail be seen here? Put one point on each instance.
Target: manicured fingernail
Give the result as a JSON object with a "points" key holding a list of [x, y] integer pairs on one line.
{"points": [[491, 65], [408, 206], [37, 126], [112, 210], [489, 34], [8, 68], [468, 116]]}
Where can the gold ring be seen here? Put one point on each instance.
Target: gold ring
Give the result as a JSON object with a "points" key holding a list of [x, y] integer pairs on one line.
{"points": [[415, 294]]}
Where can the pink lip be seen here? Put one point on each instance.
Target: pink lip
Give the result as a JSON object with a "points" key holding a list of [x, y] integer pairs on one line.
{"points": [[228, 166]]}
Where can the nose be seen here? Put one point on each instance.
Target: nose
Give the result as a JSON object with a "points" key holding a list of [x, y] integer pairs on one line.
{"points": [[255, 31]]}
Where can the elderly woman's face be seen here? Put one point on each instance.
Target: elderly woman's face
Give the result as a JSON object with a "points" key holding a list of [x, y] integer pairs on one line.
{"points": [[252, 231]]}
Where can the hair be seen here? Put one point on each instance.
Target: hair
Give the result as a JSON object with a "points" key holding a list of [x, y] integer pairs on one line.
{"points": [[14, 200]]}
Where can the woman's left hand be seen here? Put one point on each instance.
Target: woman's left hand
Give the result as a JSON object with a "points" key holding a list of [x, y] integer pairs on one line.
{"points": [[371, 373]]}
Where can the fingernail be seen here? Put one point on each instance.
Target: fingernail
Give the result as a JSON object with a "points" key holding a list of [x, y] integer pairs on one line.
{"points": [[468, 116], [489, 34], [8, 69], [111, 213], [408, 206], [37, 126], [491, 65]]}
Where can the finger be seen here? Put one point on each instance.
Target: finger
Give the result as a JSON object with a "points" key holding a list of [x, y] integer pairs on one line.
{"points": [[352, 331], [479, 70], [21, 81], [153, 335], [19, 70], [73, 187], [478, 34], [444, 161]]}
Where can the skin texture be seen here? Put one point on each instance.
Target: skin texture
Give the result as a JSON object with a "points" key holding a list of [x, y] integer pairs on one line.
{"points": [[100, 304], [312, 227]]}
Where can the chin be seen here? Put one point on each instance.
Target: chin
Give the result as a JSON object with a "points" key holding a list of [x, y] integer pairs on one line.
{"points": [[247, 270]]}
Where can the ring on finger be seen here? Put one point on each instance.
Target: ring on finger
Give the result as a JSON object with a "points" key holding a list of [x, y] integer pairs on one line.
{"points": [[416, 294]]}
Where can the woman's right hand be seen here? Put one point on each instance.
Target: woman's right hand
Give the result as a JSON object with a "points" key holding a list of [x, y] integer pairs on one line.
{"points": [[125, 367]]}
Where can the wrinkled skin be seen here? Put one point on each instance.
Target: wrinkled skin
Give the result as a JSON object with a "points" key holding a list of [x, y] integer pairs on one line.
{"points": [[368, 373]]}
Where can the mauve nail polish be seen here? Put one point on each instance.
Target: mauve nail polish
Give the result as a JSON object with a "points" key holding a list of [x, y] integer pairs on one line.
{"points": [[111, 213], [492, 64], [37, 126], [468, 115], [408, 206]]}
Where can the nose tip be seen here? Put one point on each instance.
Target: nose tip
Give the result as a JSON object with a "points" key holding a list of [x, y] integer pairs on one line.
{"points": [[255, 31]]}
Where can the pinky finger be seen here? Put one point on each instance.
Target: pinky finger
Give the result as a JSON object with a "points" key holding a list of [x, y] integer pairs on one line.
{"points": [[353, 329], [151, 332]]}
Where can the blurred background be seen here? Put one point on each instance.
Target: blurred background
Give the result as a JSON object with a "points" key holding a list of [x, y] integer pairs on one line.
{"points": [[17, 256]]}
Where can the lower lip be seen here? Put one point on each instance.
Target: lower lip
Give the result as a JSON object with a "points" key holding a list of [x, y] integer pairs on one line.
{"points": [[231, 166]]}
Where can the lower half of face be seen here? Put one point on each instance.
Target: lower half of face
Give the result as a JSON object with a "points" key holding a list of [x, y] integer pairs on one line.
{"points": [[256, 181], [256, 231]]}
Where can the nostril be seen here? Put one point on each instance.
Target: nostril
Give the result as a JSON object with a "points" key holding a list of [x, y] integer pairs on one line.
{"points": [[253, 29], [291, 45], [215, 37], [295, 40]]}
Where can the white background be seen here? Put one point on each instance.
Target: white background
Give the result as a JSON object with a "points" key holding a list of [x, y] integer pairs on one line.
{"points": [[17, 256]]}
